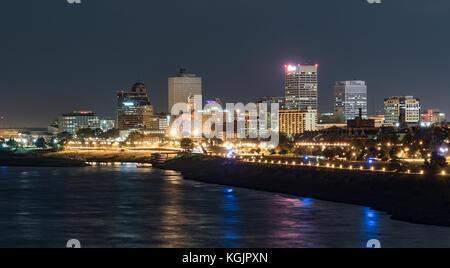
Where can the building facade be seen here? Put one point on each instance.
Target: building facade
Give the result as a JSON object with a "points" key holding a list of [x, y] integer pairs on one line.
{"points": [[433, 116], [182, 87], [134, 108], [72, 122], [350, 96], [292, 122], [159, 124], [379, 120], [310, 120], [400, 110], [301, 86]]}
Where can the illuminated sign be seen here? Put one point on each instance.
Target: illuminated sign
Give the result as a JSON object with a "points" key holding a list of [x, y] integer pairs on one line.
{"points": [[128, 104], [291, 68]]}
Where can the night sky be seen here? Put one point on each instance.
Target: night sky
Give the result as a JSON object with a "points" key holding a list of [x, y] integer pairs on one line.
{"points": [[56, 57]]}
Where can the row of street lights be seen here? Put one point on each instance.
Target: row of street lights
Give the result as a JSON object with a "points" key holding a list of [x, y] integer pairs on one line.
{"points": [[329, 166]]}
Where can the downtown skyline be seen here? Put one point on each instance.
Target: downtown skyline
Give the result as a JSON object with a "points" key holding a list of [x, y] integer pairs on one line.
{"points": [[75, 64]]}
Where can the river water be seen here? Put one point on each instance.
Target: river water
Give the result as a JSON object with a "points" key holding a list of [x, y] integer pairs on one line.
{"points": [[124, 206]]}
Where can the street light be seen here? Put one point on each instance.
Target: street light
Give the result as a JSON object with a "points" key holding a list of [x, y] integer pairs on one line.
{"points": [[173, 133]]}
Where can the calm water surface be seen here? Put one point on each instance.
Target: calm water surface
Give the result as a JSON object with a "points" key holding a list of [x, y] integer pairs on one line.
{"points": [[123, 206]]}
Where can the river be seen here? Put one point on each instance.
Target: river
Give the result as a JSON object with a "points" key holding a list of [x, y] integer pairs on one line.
{"points": [[125, 206]]}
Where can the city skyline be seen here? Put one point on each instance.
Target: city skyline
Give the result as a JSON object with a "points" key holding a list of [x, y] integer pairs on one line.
{"points": [[77, 68], [234, 126]]}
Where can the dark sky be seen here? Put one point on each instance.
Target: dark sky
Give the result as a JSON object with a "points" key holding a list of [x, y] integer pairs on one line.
{"points": [[56, 57]]}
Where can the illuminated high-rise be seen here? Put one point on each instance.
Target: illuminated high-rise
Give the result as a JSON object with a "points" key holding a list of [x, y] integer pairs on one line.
{"points": [[301, 86], [134, 109], [182, 87], [350, 96]]}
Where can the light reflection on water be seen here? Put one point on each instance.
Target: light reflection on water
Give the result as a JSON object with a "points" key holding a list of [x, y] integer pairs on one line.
{"points": [[231, 219], [123, 206]]}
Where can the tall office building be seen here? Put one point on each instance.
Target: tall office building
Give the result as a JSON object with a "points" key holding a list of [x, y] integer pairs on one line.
{"points": [[399, 110], [301, 85], [182, 87], [76, 120], [350, 96], [134, 109]]}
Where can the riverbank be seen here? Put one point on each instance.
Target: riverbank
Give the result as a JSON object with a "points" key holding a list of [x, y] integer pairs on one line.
{"points": [[104, 156], [37, 159], [76, 157], [412, 198]]}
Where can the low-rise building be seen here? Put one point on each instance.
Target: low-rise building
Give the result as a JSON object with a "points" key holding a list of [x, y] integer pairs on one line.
{"points": [[159, 124], [72, 122], [292, 122], [432, 116], [379, 120]]}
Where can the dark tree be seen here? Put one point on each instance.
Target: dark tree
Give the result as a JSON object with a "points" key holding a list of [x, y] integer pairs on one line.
{"points": [[187, 145], [98, 132], [40, 143], [64, 137], [111, 134], [85, 133], [436, 164], [135, 136], [12, 144]]}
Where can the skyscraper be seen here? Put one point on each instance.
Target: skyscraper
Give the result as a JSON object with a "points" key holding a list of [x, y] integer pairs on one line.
{"points": [[183, 86], [134, 109], [301, 85], [350, 96], [400, 110]]}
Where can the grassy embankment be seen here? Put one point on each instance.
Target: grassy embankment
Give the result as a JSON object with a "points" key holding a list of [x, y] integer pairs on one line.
{"points": [[108, 156]]}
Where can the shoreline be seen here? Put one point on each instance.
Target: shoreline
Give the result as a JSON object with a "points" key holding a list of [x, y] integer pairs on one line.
{"points": [[37, 160], [410, 198], [70, 158]]}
